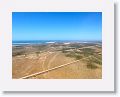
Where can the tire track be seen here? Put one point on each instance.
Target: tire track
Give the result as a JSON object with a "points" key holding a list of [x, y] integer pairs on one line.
{"points": [[42, 72]]}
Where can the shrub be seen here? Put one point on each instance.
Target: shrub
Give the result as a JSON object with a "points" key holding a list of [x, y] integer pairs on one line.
{"points": [[18, 53], [87, 51], [91, 66], [78, 57]]}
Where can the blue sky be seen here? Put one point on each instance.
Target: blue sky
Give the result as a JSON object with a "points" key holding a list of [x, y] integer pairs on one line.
{"points": [[56, 26]]}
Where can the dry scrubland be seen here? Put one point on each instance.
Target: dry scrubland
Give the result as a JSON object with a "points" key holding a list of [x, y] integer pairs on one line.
{"points": [[30, 59]]}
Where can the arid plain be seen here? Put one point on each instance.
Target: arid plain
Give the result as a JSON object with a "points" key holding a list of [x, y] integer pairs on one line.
{"points": [[57, 61]]}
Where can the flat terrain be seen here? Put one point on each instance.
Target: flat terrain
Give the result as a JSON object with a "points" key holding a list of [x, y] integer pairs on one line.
{"points": [[57, 61]]}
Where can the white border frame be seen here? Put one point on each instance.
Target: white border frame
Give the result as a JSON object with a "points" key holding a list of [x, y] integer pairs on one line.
{"points": [[104, 84]]}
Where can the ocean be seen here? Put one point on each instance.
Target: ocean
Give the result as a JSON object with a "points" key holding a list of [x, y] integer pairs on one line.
{"points": [[27, 42]]}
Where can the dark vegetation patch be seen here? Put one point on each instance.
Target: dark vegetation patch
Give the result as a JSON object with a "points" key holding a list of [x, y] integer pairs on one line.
{"points": [[23, 50], [95, 60], [72, 54], [91, 66], [75, 45], [98, 56], [37, 52], [87, 51], [78, 54], [18, 53], [92, 61]]}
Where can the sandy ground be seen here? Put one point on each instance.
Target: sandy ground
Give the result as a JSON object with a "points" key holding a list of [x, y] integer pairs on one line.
{"points": [[24, 65]]}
